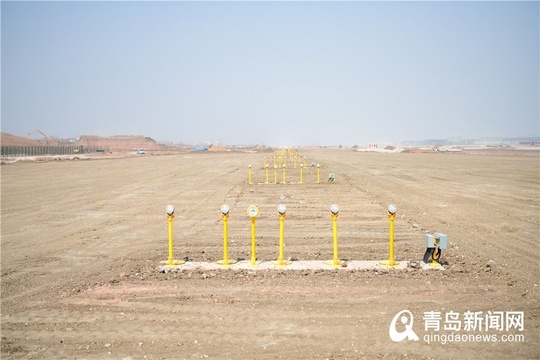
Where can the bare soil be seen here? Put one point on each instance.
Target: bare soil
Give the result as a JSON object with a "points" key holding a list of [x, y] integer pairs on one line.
{"points": [[82, 242]]}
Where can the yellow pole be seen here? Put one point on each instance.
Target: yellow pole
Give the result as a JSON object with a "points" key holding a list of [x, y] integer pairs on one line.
{"points": [[335, 260], [301, 174], [171, 244], [275, 174], [225, 239], [334, 232], [280, 262], [249, 175], [284, 176], [226, 262], [266, 168], [391, 262], [318, 174], [170, 261], [391, 259], [253, 244], [281, 225], [281, 237]]}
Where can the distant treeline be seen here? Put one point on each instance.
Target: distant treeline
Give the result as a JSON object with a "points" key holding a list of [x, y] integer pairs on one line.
{"points": [[18, 151]]}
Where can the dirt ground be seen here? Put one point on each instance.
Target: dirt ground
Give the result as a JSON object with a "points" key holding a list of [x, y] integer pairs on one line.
{"points": [[82, 242]]}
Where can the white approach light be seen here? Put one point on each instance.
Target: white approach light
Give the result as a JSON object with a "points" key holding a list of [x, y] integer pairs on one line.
{"points": [[281, 209], [224, 209], [334, 208], [392, 208], [253, 211], [169, 209]]}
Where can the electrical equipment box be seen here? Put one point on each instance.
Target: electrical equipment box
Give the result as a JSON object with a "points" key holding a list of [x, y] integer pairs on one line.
{"points": [[437, 240]]}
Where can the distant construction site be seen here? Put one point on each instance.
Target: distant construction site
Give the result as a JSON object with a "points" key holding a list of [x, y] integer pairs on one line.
{"points": [[16, 146]]}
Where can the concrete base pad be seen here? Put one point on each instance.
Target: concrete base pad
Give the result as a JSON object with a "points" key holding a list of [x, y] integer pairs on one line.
{"points": [[429, 266], [295, 265]]}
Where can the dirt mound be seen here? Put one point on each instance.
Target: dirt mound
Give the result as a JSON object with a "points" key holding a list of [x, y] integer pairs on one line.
{"points": [[14, 140], [119, 143], [217, 148]]}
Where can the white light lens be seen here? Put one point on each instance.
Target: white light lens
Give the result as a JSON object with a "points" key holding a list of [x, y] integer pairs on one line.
{"points": [[169, 209], [334, 208], [392, 208], [282, 209], [224, 209], [301, 165], [253, 211]]}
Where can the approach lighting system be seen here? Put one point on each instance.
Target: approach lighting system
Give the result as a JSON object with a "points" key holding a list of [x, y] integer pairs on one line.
{"points": [[282, 209], [334, 208], [169, 209], [392, 208]]}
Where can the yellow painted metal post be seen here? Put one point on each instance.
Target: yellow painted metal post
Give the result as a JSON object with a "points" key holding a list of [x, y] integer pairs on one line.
{"points": [[335, 262], [284, 176], [391, 262], [252, 212], [318, 174], [280, 262], [226, 262], [225, 239], [253, 244], [301, 174], [281, 237], [170, 261], [334, 232], [171, 241], [391, 257], [275, 174], [266, 168], [249, 175]]}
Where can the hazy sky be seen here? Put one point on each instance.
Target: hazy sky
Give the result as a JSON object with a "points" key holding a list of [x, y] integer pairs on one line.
{"points": [[287, 73]]}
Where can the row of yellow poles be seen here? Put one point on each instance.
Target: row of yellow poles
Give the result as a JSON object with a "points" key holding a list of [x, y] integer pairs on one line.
{"points": [[253, 212], [282, 156], [279, 160], [284, 174]]}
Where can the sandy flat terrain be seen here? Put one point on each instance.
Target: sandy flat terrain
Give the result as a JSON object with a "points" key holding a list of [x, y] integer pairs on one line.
{"points": [[82, 242]]}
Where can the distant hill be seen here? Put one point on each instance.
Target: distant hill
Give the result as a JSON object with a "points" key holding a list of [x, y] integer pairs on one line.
{"points": [[119, 142], [14, 140]]}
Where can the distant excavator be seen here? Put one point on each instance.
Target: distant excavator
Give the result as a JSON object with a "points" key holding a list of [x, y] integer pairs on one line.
{"points": [[47, 139]]}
